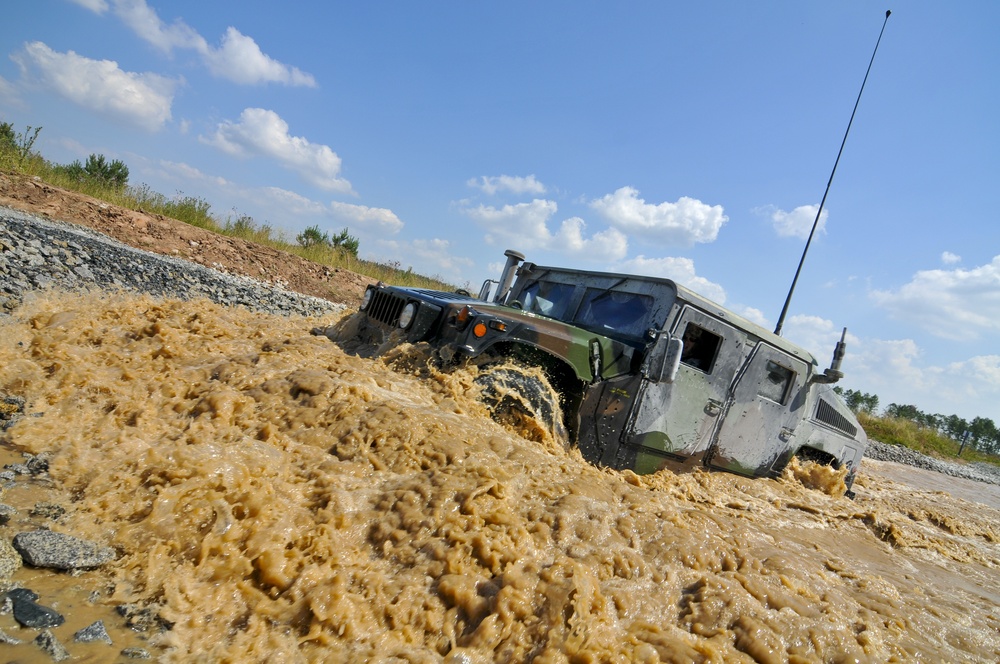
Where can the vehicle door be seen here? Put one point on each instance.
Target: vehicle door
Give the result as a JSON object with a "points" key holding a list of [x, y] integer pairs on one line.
{"points": [[675, 421], [766, 404]]}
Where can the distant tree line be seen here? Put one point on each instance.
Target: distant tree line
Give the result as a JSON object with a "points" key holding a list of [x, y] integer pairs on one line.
{"points": [[982, 432]]}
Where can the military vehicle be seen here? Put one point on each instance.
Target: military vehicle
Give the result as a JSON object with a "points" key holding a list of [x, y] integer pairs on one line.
{"points": [[642, 372]]}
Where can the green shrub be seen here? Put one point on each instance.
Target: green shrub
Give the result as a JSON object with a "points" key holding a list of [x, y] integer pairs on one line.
{"points": [[108, 181], [16, 149]]}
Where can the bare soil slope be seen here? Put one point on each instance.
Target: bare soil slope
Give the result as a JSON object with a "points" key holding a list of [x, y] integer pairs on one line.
{"points": [[159, 234]]}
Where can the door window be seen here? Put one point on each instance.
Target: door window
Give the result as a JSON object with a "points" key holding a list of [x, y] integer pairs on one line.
{"points": [[776, 382], [700, 347]]}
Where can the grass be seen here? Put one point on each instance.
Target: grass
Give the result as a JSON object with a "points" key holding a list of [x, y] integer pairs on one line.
{"points": [[197, 212], [899, 431]]}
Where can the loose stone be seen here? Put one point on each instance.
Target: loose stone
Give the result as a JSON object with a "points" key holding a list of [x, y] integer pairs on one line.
{"points": [[44, 548], [136, 653], [51, 645], [92, 633], [7, 639], [10, 559], [29, 613]]}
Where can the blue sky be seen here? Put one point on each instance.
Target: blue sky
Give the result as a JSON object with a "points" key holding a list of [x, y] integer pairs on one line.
{"points": [[686, 140]]}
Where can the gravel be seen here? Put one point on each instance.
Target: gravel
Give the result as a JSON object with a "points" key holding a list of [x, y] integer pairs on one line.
{"points": [[37, 253], [979, 472]]}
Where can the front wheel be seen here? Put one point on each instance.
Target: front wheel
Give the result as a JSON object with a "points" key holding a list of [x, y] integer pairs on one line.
{"points": [[523, 400]]}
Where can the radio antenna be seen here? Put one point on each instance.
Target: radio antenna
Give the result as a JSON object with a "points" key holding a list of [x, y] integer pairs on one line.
{"points": [[788, 300]]}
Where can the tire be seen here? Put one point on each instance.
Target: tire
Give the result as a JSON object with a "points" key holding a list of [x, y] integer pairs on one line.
{"points": [[524, 401]]}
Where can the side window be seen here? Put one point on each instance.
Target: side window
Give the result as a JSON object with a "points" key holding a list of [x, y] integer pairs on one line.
{"points": [[775, 383], [700, 347]]}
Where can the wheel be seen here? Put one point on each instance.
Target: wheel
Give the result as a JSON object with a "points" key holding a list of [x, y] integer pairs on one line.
{"points": [[816, 469], [521, 398]]}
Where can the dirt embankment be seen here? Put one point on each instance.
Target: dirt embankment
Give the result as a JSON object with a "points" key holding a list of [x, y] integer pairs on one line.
{"points": [[161, 235]]}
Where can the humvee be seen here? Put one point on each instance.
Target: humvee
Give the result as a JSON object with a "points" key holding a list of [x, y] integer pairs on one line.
{"points": [[648, 373]]}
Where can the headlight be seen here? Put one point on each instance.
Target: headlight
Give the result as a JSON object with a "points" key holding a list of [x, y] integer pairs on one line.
{"points": [[407, 314], [366, 299]]}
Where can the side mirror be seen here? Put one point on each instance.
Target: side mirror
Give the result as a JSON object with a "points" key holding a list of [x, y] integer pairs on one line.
{"points": [[664, 359]]}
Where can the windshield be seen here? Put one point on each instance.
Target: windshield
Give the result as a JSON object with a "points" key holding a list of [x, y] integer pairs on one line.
{"points": [[547, 298], [617, 311]]}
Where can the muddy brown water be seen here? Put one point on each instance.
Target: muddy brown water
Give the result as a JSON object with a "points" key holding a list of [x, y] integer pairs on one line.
{"points": [[281, 500]]}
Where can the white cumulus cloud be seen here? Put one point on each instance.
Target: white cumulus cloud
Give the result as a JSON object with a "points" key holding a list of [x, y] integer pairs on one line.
{"points": [[432, 257], [96, 6], [607, 245], [755, 315], [885, 365], [817, 335], [260, 132], [378, 220], [178, 170], [949, 258], [144, 22], [292, 203], [143, 100], [238, 58], [982, 373], [508, 183], [797, 223], [952, 304], [525, 226], [682, 223], [678, 269]]}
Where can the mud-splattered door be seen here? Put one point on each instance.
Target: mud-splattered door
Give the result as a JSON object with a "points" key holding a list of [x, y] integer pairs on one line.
{"points": [[675, 421], [762, 413]]}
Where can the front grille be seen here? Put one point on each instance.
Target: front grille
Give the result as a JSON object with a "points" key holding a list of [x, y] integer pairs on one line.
{"points": [[827, 413], [385, 307]]}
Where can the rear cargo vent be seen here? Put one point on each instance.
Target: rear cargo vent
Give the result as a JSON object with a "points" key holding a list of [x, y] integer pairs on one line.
{"points": [[827, 413], [385, 308]]}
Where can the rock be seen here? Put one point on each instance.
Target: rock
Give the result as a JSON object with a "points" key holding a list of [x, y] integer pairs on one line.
{"points": [[22, 593], [11, 407], [6, 514], [48, 511], [142, 618], [7, 639], [37, 465], [44, 548], [96, 260], [50, 644], [10, 559], [95, 632], [136, 653], [29, 613]]}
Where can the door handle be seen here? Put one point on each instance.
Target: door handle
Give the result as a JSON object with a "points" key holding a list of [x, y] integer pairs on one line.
{"points": [[713, 407]]}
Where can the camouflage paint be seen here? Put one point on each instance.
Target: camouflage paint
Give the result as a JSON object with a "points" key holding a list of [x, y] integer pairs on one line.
{"points": [[713, 417]]}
